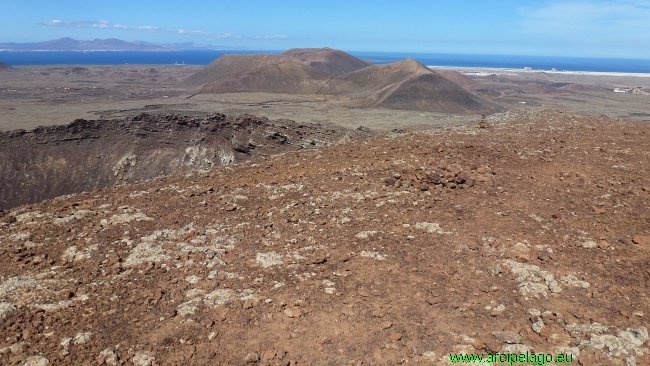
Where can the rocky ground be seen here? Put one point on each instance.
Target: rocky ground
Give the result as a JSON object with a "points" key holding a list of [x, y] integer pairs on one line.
{"points": [[53, 161], [529, 235]]}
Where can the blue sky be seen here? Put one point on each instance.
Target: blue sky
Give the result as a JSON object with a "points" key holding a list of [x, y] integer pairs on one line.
{"points": [[587, 28]]}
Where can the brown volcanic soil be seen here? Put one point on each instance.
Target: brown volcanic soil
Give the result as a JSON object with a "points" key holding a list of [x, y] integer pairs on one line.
{"points": [[288, 77], [228, 65], [457, 78], [32, 96], [407, 85], [4, 66], [404, 85], [86, 155], [584, 92], [531, 235], [296, 71], [431, 92], [372, 79], [327, 59]]}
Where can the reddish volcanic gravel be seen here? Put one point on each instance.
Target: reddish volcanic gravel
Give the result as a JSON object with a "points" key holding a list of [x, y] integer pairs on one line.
{"points": [[530, 235]]}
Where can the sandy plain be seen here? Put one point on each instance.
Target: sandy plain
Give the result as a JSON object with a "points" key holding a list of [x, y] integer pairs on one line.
{"points": [[34, 96]]}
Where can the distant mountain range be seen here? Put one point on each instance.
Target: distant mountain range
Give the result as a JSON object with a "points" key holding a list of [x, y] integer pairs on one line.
{"points": [[111, 44]]}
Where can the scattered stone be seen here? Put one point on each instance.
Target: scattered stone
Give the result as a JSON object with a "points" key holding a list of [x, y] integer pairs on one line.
{"points": [[268, 355], [319, 258], [625, 241], [515, 348], [270, 259], [589, 244], [82, 338], [126, 218], [193, 279], [329, 286], [331, 241], [36, 361], [461, 178], [478, 344], [430, 227], [65, 342], [572, 280], [142, 359], [498, 310], [494, 270], [365, 234], [532, 280], [207, 322], [109, 357], [493, 346], [538, 325], [507, 337], [390, 181], [6, 309], [626, 342], [251, 358], [378, 313], [292, 312], [250, 303], [534, 337], [15, 284], [373, 255]]}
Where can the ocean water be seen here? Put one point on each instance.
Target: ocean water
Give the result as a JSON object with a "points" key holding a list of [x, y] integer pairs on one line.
{"points": [[429, 59], [515, 62], [115, 57]]}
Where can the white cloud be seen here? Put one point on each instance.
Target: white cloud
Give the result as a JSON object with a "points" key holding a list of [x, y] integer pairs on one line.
{"points": [[103, 24], [277, 36], [625, 20]]}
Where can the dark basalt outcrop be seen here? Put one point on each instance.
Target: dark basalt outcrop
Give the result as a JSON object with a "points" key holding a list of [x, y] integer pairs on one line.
{"points": [[48, 162]]}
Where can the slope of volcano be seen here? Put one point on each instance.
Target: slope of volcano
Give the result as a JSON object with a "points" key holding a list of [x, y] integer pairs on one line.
{"points": [[327, 59], [286, 77], [372, 79], [407, 85], [85, 155], [458, 78], [4, 66], [229, 65]]}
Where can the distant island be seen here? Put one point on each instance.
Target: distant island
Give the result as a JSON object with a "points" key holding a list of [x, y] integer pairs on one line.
{"points": [[110, 44]]}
